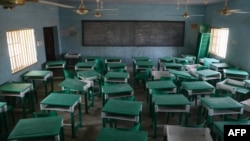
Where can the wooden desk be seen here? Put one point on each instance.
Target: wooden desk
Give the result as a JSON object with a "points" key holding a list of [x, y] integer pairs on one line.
{"points": [[19, 90], [51, 65], [38, 128], [114, 109], [175, 103], [209, 74], [116, 90], [218, 127], [117, 77], [40, 75], [65, 103], [79, 87], [178, 133], [108, 134], [115, 66], [5, 121], [219, 106], [84, 66], [235, 74]]}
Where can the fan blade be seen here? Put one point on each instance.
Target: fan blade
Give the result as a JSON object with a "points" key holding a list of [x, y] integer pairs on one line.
{"points": [[241, 12], [196, 15], [104, 9], [234, 10], [55, 4]]}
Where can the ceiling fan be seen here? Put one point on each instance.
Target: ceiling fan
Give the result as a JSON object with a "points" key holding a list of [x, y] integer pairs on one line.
{"points": [[10, 4], [226, 11], [81, 9], [100, 7], [186, 14]]}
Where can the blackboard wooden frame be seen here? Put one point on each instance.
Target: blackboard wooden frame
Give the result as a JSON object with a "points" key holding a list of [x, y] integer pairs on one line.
{"points": [[133, 33]]}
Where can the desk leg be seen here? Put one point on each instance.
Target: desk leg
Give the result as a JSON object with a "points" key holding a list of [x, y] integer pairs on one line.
{"points": [[23, 106], [35, 89], [86, 102], [6, 122], [80, 114], [155, 124], [73, 127]]}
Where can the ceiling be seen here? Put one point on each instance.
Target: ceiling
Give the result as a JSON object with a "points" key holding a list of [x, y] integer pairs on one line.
{"points": [[172, 2]]}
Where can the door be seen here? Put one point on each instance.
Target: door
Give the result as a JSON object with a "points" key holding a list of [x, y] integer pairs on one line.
{"points": [[49, 42]]}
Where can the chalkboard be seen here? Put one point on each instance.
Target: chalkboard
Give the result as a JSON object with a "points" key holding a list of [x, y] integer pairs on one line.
{"points": [[133, 33]]}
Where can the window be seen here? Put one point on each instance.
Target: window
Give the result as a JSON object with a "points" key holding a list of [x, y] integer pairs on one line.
{"points": [[218, 43], [22, 48]]}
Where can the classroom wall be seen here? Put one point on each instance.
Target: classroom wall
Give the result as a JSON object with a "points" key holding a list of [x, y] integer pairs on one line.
{"points": [[71, 37], [238, 24], [30, 15]]}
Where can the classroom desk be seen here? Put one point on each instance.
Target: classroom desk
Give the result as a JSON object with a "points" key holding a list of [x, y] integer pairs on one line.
{"points": [[78, 86], [219, 66], [115, 66], [163, 60], [209, 74], [109, 134], [173, 103], [72, 58], [179, 133], [219, 106], [114, 110], [241, 87], [38, 128], [84, 66], [197, 88], [166, 85], [175, 66], [19, 90], [135, 59], [218, 127], [182, 60], [91, 58], [183, 75], [65, 103], [112, 60], [116, 90], [5, 121], [144, 64], [116, 77], [235, 74], [55, 65], [37, 75]]}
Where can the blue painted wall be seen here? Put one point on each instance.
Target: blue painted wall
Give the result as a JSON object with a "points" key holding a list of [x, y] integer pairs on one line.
{"points": [[30, 15], [37, 16], [238, 52], [71, 36]]}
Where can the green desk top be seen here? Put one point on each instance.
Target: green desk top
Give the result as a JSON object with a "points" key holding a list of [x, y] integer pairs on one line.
{"points": [[221, 103], [220, 65], [141, 58], [116, 65], [173, 65], [133, 108], [15, 87], [85, 64], [55, 63], [182, 74], [113, 58], [117, 88], [166, 84], [167, 59], [207, 72], [109, 134], [59, 99], [88, 73], [145, 63], [171, 100], [36, 73], [235, 72], [220, 124], [117, 75], [2, 104], [36, 128], [240, 89], [197, 85], [73, 84]]}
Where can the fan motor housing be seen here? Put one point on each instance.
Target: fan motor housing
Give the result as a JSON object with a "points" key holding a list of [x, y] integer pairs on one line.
{"points": [[9, 4]]}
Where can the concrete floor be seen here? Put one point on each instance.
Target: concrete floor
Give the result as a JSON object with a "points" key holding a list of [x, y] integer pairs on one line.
{"points": [[92, 121]]}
